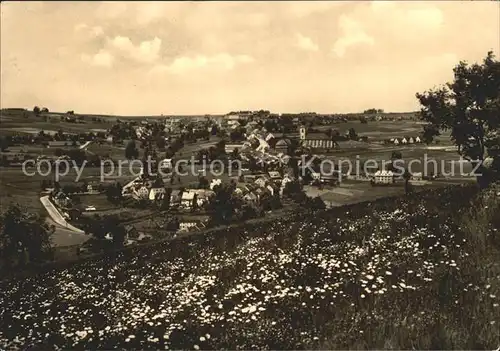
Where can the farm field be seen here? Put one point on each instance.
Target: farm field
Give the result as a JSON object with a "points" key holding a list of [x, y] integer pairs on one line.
{"points": [[395, 273]]}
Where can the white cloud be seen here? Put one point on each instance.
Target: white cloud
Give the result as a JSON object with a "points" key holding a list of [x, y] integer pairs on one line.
{"points": [[146, 52], [382, 6], [353, 35], [408, 16], [184, 64], [112, 9], [306, 43], [150, 12], [142, 13], [430, 17], [307, 8], [102, 58], [80, 27], [88, 31]]}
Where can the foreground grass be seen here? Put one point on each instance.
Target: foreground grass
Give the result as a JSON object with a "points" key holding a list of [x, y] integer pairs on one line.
{"points": [[399, 273]]}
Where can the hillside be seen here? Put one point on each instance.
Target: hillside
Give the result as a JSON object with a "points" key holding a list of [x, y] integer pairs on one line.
{"points": [[396, 273]]}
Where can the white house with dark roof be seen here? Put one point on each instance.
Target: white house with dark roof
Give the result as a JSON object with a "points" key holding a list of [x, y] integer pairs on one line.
{"points": [[383, 177], [140, 192], [261, 182], [187, 199], [156, 193]]}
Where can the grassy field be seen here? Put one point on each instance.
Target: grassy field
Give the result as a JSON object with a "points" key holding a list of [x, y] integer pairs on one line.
{"points": [[399, 273]]}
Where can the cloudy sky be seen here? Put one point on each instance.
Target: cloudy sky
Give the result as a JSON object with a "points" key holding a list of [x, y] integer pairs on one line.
{"points": [[133, 58]]}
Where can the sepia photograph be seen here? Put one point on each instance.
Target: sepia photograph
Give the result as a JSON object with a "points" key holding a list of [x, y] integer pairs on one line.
{"points": [[250, 175]]}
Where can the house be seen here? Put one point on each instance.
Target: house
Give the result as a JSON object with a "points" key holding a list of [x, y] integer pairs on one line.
{"points": [[259, 192], [383, 177], [188, 199], [140, 192], [234, 116], [286, 179], [233, 124], [214, 183], [261, 182], [269, 136], [13, 156], [175, 198], [282, 146], [316, 176], [202, 196], [417, 176], [263, 146], [188, 225], [229, 148], [240, 191], [250, 197], [275, 176], [272, 190], [156, 193], [63, 143], [332, 178], [166, 164]]}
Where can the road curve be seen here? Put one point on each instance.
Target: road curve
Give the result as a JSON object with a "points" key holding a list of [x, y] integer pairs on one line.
{"points": [[56, 216]]}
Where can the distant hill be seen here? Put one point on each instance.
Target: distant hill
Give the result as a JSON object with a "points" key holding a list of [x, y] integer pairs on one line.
{"points": [[12, 112]]}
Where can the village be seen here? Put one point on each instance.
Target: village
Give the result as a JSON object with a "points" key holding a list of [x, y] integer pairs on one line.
{"points": [[268, 165]]}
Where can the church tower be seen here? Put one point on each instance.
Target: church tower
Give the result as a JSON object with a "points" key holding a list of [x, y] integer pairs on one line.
{"points": [[302, 132]]}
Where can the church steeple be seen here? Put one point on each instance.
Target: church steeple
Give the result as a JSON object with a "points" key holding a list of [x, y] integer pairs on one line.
{"points": [[302, 132]]}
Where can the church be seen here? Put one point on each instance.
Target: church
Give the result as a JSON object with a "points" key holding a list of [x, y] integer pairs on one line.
{"points": [[316, 142]]}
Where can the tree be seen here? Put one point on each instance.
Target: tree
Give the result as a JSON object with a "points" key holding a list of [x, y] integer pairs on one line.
{"points": [[160, 142], [407, 177], [292, 188], [77, 155], [470, 108], [36, 110], [24, 238], [131, 151], [237, 134], [396, 155], [114, 193], [165, 204], [203, 183], [214, 130], [352, 134], [119, 234], [429, 132], [4, 144], [224, 205], [315, 203], [58, 152]]}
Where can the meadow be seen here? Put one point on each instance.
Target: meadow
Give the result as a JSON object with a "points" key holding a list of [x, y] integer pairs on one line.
{"points": [[402, 272]]}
